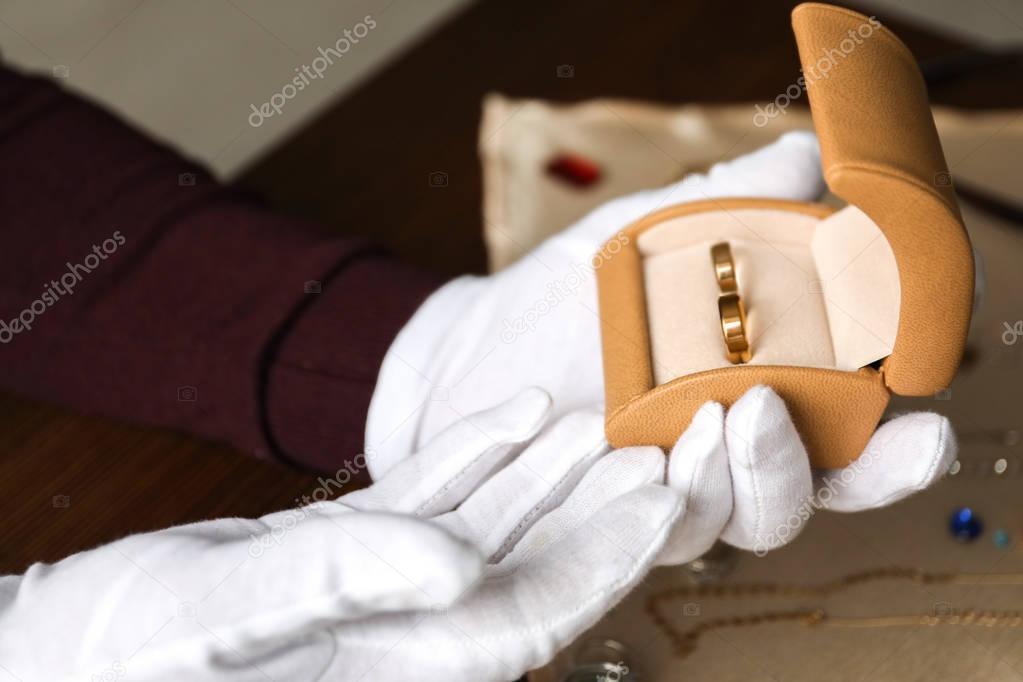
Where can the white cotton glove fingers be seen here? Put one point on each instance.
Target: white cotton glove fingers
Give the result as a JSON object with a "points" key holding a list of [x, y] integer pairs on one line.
{"points": [[571, 585], [698, 470], [518, 620], [329, 570], [770, 470], [338, 568], [197, 594], [904, 456], [496, 516], [613, 475], [356, 565], [571, 566], [457, 459], [788, 168]]}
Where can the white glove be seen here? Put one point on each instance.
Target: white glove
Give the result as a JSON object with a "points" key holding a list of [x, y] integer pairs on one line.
{"points": [[386, 583], [746, 475], [479, 339], [747, 480]]}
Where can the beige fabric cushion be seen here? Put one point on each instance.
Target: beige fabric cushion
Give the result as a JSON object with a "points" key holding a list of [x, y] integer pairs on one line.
{"points": [[983, 149]]}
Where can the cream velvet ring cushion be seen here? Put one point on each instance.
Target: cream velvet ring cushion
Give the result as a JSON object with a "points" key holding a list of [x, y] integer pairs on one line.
{"points": [[818, 292]]}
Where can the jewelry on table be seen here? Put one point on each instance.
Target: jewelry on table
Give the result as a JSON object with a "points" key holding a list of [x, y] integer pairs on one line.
{"points": [[685, 642]]}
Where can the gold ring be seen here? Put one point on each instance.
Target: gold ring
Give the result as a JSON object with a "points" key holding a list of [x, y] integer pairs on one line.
{"points": [[730, 307], [733, 327], [724, 267]]}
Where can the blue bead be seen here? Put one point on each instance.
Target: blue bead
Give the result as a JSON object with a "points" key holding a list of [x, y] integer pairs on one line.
{"points": [[1001, 538], [964, 525]]}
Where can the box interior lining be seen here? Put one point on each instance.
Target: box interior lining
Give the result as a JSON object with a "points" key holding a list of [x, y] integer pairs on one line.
{"points": [[819, 292]]}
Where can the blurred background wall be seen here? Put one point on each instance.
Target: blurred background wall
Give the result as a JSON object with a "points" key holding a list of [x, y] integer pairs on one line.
{"points": [[188, 71]]}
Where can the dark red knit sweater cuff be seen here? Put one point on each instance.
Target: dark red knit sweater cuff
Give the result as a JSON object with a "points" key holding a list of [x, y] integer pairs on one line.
{"points": [[196, 317], [323, 367]]}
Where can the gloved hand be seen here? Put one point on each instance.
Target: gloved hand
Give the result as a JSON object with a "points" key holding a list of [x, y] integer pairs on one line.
{"points": [[746, 477], [535, 323], [476, 559]]}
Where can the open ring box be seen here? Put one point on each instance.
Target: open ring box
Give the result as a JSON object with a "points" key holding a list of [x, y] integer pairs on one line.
{"points": [[844, 307]]}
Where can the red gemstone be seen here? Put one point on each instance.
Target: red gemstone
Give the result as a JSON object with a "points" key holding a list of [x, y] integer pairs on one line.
{"points": [[574, 169]]}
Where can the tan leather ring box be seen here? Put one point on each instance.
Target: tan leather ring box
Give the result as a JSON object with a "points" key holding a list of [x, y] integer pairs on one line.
{"points": [[844, 307]]}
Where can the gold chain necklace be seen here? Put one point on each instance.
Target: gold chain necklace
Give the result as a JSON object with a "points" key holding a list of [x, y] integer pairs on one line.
{"points": [[684, 642]]}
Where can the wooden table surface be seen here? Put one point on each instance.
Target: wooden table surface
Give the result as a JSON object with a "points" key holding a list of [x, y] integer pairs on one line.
{"points": [[68, 481]]}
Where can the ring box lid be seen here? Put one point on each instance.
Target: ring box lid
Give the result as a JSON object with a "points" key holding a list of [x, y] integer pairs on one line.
{"points": [[880, 152]]}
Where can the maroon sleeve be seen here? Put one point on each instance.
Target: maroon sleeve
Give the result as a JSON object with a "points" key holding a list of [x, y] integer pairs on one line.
{"points": [[133, 285]]}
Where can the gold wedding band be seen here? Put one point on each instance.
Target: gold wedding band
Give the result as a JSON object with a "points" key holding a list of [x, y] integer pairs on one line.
{"points": [[730, 307], [733, 327], [724, 267]]}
